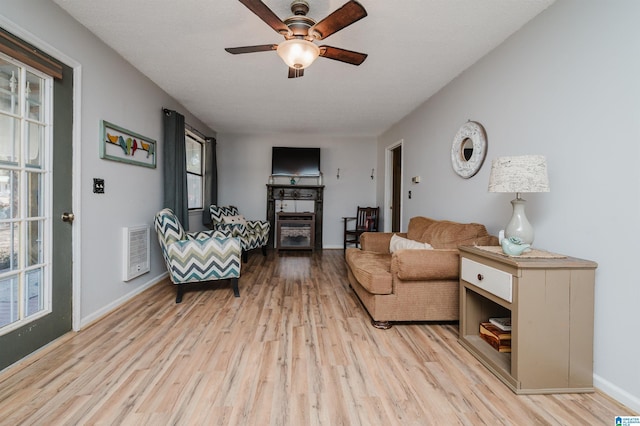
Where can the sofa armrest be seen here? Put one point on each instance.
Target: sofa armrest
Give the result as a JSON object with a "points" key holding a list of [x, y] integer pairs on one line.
{"points": [[378, 241], [417, 265]]}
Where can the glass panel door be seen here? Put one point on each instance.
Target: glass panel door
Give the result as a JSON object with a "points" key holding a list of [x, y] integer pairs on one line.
{"points": [[25, 135]]}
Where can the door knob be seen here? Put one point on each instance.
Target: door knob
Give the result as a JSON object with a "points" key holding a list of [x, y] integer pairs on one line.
{"points": [[68, 217]]}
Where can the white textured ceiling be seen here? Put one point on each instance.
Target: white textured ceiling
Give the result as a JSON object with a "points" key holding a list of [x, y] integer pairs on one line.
{"points": [[415, 47]]}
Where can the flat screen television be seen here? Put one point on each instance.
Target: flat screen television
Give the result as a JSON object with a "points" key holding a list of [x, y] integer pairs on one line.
{"points": [[289, 161]]}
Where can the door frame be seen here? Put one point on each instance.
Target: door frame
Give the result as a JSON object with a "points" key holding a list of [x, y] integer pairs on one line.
{"points": [[76, 148], [388, 183]]}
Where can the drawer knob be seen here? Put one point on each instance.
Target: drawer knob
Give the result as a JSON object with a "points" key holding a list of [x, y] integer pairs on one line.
{"points": [[480, 277]]}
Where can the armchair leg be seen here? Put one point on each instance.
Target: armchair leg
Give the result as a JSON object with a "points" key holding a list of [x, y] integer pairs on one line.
{"points": [[180, 292], [234, 285], [245, 256], [264, 250]]}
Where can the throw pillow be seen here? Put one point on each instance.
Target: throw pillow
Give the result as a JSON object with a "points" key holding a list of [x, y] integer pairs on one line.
{"points": [[239, 219], [398, 243]]}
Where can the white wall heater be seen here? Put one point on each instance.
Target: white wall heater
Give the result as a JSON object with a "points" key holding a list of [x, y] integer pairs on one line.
{"points": [[136, 252]]}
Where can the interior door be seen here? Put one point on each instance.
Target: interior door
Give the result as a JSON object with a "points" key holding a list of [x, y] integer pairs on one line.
{"points": [[396, 188], [39, 194]]}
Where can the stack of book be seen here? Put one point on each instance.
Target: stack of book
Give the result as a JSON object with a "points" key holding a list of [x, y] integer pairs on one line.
{"points": [[497, 332]]}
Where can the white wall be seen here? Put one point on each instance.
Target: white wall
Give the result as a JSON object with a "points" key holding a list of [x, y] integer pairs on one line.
{"points": [[565, 86], [114, 91], [244, 166]]}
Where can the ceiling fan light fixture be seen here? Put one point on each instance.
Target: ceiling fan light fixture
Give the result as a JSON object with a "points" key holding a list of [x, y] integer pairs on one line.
{"points": [[298, 53]]}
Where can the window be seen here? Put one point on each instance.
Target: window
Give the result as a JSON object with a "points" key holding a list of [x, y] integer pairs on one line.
{"points": [[25, 139], [195, 170]]}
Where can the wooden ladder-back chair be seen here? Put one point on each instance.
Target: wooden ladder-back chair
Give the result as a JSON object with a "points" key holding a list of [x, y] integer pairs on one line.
{"points": [[366, 220]]}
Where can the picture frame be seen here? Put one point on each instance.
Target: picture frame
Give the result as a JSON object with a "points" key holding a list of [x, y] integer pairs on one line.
{"points": [[125, 146]]}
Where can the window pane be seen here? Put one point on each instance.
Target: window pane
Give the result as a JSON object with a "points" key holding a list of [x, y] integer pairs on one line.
{"points": [[35, 292], [194, 156], [9, 246], [35, 206], [34, 240], [8, 300], [25, 287], [9, 194], [34, 97], [34, 139], [194, 190], [9, 84], [9, 139]]}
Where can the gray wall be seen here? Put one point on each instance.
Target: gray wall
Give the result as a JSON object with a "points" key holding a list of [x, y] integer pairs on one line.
{"points": [[565, 86], [111, 89], [244, 166]]}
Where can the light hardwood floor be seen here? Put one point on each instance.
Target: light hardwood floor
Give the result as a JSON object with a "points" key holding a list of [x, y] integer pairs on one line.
{"points": [[296, 348]]}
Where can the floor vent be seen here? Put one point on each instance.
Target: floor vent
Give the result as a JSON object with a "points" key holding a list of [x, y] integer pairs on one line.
{"points": [[136, 252]]}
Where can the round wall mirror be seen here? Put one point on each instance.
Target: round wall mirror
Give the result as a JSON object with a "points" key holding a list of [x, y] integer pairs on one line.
{"points": [[468, 150]]}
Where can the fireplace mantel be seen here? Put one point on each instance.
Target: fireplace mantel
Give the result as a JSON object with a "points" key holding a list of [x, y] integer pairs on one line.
{"points": [[295, 192]]}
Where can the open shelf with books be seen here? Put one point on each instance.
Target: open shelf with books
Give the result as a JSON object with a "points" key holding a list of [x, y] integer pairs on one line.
{"points": [[479, 307]]}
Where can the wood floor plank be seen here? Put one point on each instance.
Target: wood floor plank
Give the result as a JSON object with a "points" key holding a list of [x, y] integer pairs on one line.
{"points": [[296, 348]]}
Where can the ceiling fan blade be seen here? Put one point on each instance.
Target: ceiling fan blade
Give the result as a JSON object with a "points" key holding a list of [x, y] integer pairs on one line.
{"points": [[342, 55], [296, 72], [349, 13], [251, 49], [267, 15]]}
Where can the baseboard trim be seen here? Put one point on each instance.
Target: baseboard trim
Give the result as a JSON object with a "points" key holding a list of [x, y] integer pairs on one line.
{"points": [[615, 392], [99, 314]]}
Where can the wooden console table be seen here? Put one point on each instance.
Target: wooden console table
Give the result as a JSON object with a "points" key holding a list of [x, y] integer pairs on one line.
{"points": [[550, 302], [295, 192]]}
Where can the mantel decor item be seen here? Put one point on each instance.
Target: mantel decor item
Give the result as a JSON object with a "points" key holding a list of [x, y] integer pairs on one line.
{"points": [[125, 146], [468, 150], [526, 173]]}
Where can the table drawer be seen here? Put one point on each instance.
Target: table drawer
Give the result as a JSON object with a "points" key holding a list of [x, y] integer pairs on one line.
{"points": [[493, 280]]}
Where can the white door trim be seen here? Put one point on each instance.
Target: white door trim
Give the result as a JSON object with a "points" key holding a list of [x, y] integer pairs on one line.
{"points": [[76, 143]]}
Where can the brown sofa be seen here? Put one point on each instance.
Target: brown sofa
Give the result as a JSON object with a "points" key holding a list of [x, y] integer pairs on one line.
{"points": [[412, 285]]}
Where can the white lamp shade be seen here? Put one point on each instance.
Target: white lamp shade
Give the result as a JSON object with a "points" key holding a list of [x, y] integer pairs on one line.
{"points": [[298, 53], [525, 173]]}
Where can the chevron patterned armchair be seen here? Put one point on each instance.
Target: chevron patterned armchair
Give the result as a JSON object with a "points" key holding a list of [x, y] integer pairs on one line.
{"points": [[252, 233], [197, 256]]}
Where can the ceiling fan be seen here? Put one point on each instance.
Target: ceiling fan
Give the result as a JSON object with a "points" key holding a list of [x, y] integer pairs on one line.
{"points": [[298, 50]]}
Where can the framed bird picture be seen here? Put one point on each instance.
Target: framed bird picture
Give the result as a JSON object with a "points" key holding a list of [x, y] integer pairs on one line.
{"points": [[125, 146]]}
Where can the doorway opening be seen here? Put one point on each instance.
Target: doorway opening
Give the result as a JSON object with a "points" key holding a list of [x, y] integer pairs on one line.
{"points": [[393, 187]]}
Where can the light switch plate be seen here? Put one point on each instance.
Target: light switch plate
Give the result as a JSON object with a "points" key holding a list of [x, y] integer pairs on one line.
{"points": [[98, 186]]}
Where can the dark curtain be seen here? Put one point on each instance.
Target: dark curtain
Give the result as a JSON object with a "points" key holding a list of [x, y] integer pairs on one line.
{"points": [[174, 162], [211, 181]]}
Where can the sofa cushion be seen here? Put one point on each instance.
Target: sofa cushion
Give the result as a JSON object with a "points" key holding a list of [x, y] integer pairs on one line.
{"points": [[426, 265], [371, 270], [444, 234], [448, 235], [418, 226]]}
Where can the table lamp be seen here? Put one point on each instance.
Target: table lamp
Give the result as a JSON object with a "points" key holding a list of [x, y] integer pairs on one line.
{"points": [[525, 173]]}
